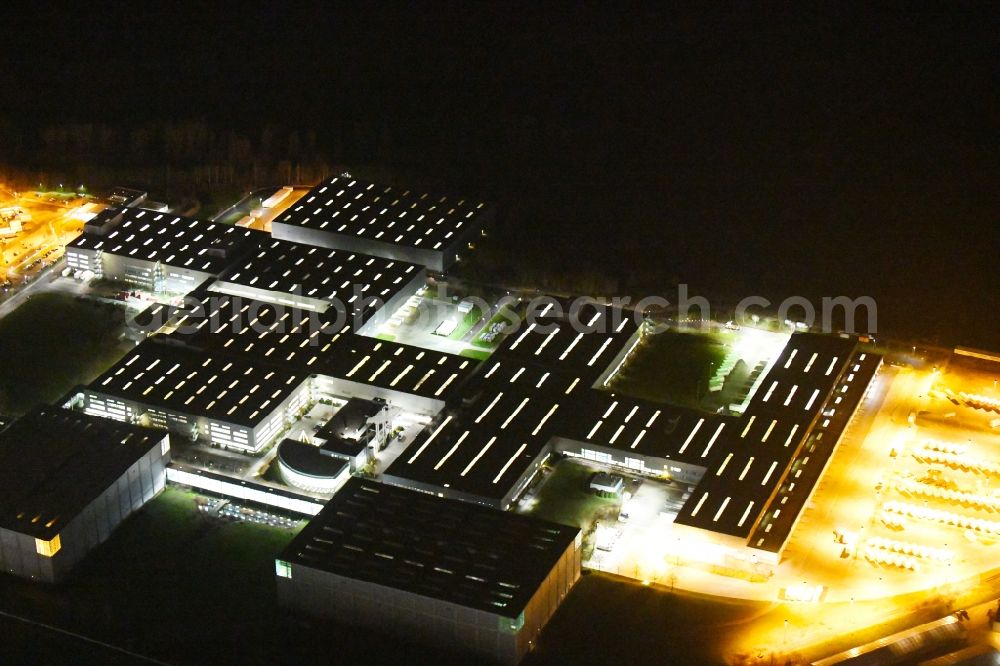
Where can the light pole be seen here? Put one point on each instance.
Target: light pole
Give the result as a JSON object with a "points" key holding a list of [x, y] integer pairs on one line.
{"points": [[786, 632]]}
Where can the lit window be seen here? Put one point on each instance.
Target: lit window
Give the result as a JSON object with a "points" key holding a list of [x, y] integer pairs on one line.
{"points": [[283, 569], [48, 548]]}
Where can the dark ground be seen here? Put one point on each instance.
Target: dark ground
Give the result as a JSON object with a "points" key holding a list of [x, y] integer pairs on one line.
{"points": [[54, 342]]}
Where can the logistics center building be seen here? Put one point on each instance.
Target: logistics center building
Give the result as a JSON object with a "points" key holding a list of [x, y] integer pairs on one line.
{"points": [[229, 401], [68, 480], [347, 213], [157, 252], [431, 570]]}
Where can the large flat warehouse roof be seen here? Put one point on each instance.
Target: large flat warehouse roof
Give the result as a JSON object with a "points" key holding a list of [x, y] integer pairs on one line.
{"points": [[336, 276], [754, 456], [309, 342], [182, 242], [444, 549], [188, 381], [397, 216], [510, 410], [647, 428], [54, 462]]}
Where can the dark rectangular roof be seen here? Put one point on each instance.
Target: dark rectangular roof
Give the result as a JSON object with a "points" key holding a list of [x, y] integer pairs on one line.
{"points": [[182, 242], [804, 471], [647, 428], [509, 411], [753, 456], [54, 462], [188, 381], [444, 549], [351, 418], [357, 208], [336, 276]]}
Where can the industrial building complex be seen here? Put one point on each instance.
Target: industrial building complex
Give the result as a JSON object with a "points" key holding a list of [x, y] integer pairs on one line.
{"points": [[409, 460], [430, 569]]}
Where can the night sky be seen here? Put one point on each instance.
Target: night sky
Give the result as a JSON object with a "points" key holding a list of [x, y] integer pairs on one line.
{"points": [[769, 149]]}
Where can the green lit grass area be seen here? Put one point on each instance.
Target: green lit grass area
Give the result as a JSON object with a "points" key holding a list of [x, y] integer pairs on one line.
{"points": [[564, 497], [478, 354], [469, 319], [672, 367], [504, 316], [53, 342]]}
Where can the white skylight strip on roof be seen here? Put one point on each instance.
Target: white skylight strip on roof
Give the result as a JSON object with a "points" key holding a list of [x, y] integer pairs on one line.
{"points": [[569, 348], [812, 359], [516, 375], [514, 413], [631, 413], [542, 380], [423, 379], [599, 352], [489, 407], [572, 386], [522, 336], [812, 399], [479, 455], [492, 370], [746, 469], [510, 462], [638, 438], [652, 418], [545, 418], [722, 508], [590, 435], [385, 364], [790, 357], [454, 448], [715, 436], [770, 471], [791, 393], [749, 425], [746, 514], [697, 507], [430, 439], [791, 434], [833, 364], [548, 338], [694, 431], [610, 409], [401, 375], [622, 361], [767, 434], [358, 366], [614, 437], [722, 467], [767, 396], [445, 385]]}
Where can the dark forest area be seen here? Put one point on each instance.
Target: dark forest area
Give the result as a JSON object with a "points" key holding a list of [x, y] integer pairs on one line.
{"points": [[813, 151]]}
